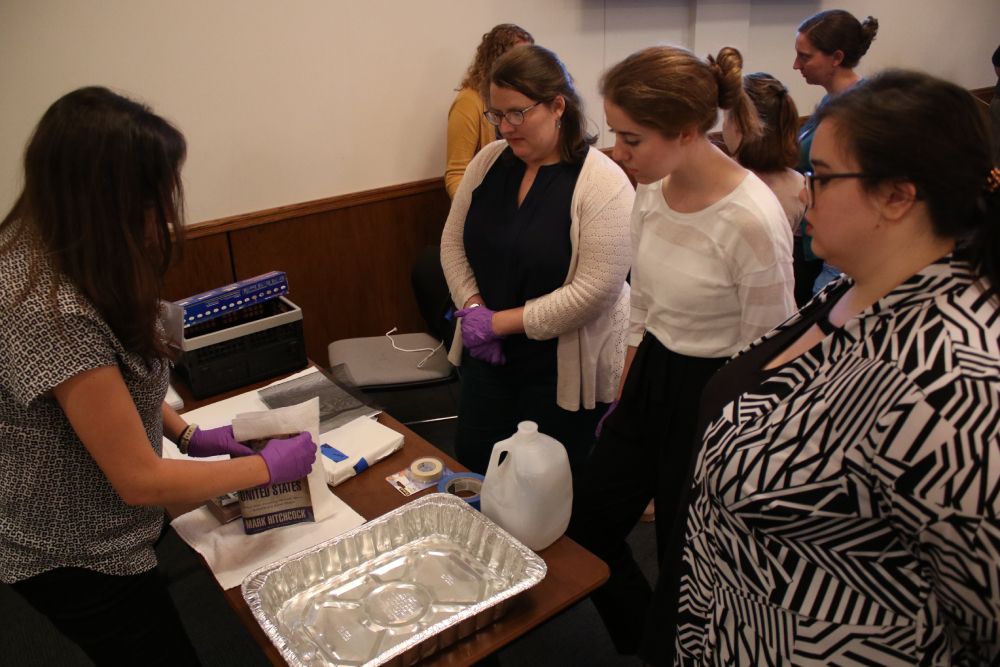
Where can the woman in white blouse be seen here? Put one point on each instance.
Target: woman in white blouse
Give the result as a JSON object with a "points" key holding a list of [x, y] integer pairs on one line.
{"points": [[712, 271]]}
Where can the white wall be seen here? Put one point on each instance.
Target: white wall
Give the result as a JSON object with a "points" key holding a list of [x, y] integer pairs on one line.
{"points": [[952, 40], [288, 101]]}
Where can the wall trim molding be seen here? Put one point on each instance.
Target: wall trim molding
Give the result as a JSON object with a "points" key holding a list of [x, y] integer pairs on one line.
{"points": [[985, 94], [325, 205]]}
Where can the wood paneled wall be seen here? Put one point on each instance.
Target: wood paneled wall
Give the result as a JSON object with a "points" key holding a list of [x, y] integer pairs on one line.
{"points": [[348, 259], [204, 263]]}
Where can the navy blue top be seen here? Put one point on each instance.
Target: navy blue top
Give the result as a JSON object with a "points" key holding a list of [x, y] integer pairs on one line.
{"points": [[521, 252]]}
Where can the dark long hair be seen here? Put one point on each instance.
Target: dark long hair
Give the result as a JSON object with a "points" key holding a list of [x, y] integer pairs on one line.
{"points": [[102, 195], [910, 126], [837, 30], [538, 74]]}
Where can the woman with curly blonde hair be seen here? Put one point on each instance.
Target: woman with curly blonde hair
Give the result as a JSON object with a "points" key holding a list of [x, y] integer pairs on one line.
{"points": [[468, 130], [711, 271]]}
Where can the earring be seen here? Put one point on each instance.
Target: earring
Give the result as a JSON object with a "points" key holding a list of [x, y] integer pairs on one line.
{"points": [[558, 123]]}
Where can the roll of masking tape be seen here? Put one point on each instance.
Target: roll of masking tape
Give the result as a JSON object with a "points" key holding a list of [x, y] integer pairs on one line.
{"points": [[426, 470], [465, 485]]}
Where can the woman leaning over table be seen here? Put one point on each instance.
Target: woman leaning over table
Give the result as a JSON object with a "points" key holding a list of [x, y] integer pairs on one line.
{"points": [[468, 129], [84, 368], [845, 506], [712, 271], [536, 251]]}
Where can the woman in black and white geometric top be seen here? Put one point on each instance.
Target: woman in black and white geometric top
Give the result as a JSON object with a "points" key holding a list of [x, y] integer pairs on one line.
{"points": [[846, 501], [84, 367]]}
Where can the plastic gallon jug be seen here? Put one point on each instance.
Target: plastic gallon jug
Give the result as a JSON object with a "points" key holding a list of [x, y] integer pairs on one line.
{"points": [[530, 493]]}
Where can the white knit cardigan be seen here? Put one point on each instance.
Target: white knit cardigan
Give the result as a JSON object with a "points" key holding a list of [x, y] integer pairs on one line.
{"points": [[590, 312]]}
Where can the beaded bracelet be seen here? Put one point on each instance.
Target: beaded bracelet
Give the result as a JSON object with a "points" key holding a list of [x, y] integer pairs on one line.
{"points": [[185, 439]]}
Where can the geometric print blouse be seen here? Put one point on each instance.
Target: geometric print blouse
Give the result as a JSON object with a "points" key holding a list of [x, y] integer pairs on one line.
{"points": [[57, 509], [845, 512]]}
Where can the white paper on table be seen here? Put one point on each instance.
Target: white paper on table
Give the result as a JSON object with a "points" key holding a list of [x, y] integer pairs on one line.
{"points": [[232, 554], [363, 441]]}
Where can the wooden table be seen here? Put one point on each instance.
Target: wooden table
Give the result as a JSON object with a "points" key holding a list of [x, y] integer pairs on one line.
{"points": [[573, 572]]}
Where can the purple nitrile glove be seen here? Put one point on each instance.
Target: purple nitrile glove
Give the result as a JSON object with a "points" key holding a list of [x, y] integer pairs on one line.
{"points": [[213, 441], [477, 326], [490, 352], [289, 459], [600, 424]]}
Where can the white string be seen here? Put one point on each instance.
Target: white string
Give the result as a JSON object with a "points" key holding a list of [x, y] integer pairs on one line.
{"points": [[388, 334]]}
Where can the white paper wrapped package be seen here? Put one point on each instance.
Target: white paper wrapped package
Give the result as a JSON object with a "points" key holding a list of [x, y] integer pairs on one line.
{"points": [[351, 448], [303, 417]]}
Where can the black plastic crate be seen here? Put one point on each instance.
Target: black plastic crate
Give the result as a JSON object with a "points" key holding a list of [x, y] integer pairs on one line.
{"points": [[247, 345]]}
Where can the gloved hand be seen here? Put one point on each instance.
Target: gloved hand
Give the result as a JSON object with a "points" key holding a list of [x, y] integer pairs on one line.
{"points": [[213, 441], [289, 459], [477, 326], [600, 424], [491, 352]]}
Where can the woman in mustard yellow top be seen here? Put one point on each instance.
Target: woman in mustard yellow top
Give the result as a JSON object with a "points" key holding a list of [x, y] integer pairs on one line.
{"points": [[468, 130]]}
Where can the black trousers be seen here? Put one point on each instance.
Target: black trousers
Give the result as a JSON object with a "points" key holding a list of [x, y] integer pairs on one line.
{"points": [[116, 620], [495, 398], [643, 453]]}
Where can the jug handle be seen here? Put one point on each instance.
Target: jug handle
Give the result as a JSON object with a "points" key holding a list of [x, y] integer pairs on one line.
{"points": [[495, 457]]}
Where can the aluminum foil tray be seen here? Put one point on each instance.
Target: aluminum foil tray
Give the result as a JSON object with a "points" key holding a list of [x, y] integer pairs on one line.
{"points": [[394, 590]]}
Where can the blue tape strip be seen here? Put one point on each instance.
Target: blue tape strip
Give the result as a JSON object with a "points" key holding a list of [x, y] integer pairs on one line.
{"points": [[360, 466], [333, 453]]}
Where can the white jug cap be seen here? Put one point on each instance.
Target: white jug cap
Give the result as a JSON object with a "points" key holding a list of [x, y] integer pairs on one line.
{"points": [[527, 427]]}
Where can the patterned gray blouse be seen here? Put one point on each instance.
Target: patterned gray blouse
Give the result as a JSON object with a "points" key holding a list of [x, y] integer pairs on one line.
{"points": [[57, 509], [846, 512]]}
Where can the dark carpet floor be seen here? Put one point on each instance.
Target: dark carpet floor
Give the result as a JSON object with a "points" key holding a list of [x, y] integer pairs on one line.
{"points": [[575, 637]]}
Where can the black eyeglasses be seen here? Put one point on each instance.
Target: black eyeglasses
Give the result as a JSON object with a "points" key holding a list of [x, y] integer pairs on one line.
{"points": [[515, 117], [812, 179]]}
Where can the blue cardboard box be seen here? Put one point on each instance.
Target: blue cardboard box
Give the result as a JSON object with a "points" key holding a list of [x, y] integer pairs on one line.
{"points": [[222, 300]]}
